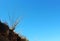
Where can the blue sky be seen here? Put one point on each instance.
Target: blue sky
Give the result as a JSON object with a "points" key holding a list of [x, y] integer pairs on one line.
{"points": [[41, 18]]}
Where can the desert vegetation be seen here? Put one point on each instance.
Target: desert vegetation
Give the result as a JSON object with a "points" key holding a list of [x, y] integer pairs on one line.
{"points": [[7, 34]]}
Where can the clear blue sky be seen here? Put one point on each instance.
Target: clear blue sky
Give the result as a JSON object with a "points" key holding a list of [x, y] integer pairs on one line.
{"points": [[41, 18]]}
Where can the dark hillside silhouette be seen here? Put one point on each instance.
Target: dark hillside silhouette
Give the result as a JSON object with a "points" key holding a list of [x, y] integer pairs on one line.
{"points": [[7, 34]]}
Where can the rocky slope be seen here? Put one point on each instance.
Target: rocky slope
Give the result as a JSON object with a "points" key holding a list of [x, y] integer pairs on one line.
{"points": [[7, 34]]}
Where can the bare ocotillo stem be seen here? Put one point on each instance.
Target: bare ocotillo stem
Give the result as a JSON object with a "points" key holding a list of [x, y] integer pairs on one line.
{"points": [[16, 22]]}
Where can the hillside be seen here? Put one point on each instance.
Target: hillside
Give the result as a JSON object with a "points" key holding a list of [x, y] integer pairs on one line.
{"points": [[7, 34]]}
